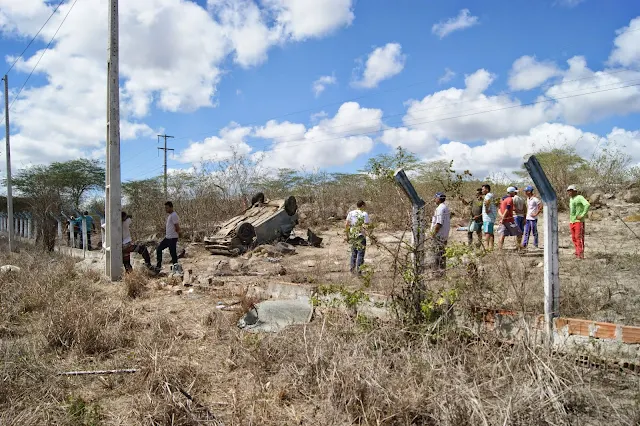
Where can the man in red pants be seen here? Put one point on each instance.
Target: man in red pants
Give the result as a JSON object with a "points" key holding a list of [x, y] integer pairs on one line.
{"points": [[578, 209]]}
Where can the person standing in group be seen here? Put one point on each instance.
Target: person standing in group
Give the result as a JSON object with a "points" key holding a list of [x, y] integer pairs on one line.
{"points": [[578, 209], [356, 230], [171, 236], [489, 215], [506, 219], [75, 224], [440, 227], [519, 209], [534, 208], [90, 227], [475, 217]]}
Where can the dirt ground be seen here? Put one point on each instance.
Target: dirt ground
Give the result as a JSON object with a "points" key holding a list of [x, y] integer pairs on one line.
{"points": [[195, 364], [606, 280]]}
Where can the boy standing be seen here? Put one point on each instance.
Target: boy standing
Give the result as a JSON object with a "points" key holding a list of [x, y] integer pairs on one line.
{"points": [[534, 208], [356, 228]]}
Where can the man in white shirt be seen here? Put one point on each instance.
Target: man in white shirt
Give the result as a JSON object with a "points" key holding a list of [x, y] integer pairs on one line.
{"points": [[128, 247], [534, 208], [356, 229], [440, 227], [172, 233]]}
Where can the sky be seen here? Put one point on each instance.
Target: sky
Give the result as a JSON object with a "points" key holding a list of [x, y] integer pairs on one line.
{"points": [[323, 84]]}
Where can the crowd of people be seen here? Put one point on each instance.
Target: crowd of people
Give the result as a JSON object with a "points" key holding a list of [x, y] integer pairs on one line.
{"points": [[511, 216]]}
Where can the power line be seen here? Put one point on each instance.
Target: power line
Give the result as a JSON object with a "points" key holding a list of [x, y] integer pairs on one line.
{"points": [[443, 105], [468, 113], [35, 36], [43, 52], [347, 132], [457, 116]]}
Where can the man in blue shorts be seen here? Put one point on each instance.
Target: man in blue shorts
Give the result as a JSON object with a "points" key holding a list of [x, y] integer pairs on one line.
{"points": [[489, 214]]}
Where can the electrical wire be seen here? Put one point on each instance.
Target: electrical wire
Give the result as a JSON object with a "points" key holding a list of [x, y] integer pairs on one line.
{"points": [[512, 92], [410, 123], [444, 117], [34, 37], [461, 116], [43, 52]]}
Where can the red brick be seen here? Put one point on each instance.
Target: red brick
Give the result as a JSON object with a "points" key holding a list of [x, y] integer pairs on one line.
{"points": [[630, 334]]}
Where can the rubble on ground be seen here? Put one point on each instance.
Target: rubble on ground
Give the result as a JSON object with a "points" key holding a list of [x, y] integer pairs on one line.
{"points": [[9, 268], [275, 315]]}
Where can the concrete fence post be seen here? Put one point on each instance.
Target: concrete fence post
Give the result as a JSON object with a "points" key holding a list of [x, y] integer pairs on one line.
{"points": [[551, 249], [72, 237], [102, 233], [29, 227], [84, 236], [417, 219], [59, 229]]}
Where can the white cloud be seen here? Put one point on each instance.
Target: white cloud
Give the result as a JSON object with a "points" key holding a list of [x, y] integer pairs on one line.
{"points": [[627, 45], [332, 142], [321, 83], [281, 132], [231, 140], [447, 76], [417, 141], [527, 73], [507, 154], [577, 105], [569, 3], [470, 115], [382, 64], [171, 57], [303, 19], [460, 22]]}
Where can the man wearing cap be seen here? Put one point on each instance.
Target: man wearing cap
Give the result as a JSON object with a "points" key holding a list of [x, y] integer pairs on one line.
{"points": [[508, 227], [519, 209], [488, 215], [440, 226], [578, 209], [534, 208]]}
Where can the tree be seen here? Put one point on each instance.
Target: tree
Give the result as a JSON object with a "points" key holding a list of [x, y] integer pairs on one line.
{"points": [[77, 177], [563, 167], [44, 196], [385, 164], [51, 189]]}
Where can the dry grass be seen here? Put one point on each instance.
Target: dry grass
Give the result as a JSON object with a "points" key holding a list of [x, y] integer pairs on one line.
{"points": [[135, 283], [196, 366]]}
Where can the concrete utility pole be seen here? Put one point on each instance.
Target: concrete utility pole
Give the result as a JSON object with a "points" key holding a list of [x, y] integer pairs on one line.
{"points": [[8, 153], [113, 200], [165, 149]]}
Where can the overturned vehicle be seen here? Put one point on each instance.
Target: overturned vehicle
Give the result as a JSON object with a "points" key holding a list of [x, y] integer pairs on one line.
{"points": [[264, 222]]}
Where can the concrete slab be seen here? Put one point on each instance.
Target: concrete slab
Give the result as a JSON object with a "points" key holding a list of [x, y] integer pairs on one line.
{"points": [[272, 316]]}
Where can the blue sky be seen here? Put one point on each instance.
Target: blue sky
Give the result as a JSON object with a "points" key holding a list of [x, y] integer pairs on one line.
{"points": [[209, 67]]}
